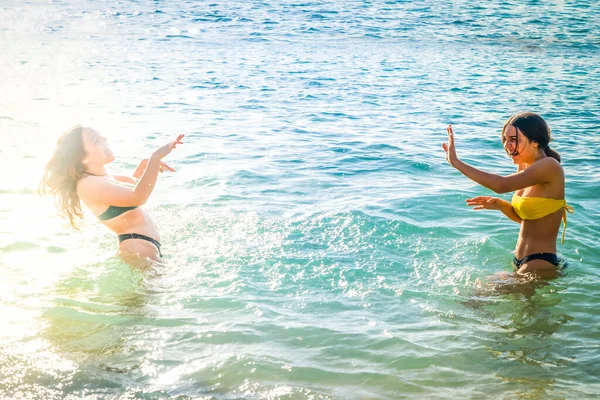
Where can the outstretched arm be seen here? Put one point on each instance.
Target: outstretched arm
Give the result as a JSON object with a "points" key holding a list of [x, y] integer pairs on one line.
{"points": [[101, 191], [537, 173]]}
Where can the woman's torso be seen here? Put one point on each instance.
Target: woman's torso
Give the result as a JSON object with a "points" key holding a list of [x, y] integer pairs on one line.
{"points": [[136, 220], [133, 221], [539, 235]]}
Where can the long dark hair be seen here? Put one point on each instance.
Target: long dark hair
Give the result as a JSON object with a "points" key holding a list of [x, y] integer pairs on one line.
{"points": [[534, 128], [62, 173]]}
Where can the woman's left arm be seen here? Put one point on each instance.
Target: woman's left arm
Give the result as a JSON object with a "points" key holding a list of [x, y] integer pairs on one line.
{"points": [[539, 172]]}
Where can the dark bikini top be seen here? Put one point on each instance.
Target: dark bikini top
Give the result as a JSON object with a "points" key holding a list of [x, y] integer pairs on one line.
{"points": [[114, 211]]}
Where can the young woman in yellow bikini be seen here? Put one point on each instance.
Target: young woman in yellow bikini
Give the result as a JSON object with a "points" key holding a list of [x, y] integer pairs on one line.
{"points": [[538, 204], [77, 172]]}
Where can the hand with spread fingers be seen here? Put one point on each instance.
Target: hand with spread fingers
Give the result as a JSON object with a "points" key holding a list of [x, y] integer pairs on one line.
{"points": [[484, 202], [165, 150]]}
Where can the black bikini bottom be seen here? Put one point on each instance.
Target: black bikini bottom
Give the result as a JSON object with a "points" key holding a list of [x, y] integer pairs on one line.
{"points": [[550, 257], [143, 237]]}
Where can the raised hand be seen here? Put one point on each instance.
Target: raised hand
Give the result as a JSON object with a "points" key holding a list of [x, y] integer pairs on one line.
{"points": [[449, 147], [164, 167], [144, 163], [484, 202], [165, 150]]}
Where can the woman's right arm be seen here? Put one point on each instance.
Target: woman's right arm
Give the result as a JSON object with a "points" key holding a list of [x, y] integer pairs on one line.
{"points": [[540, 172], [494, 203]]}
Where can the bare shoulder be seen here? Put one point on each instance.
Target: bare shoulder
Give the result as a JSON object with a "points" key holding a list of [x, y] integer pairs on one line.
{"points": [[88, 182], [548, 164], [103, 191], [552, 171], [89, 186], [551, 161]]}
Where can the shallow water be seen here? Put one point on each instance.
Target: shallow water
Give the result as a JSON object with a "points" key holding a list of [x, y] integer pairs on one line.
{"points": [[317, 244]]}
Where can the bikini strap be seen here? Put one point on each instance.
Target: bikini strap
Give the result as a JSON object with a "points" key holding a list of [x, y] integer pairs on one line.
{"points": [[570, 210]]}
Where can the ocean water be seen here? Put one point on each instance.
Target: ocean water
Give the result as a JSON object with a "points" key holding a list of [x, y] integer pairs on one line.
{"points": [[317, 244]]}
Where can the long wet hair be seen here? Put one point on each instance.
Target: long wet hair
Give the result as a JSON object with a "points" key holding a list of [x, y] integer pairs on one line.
{"points": [[62, 173], [534, 128]]}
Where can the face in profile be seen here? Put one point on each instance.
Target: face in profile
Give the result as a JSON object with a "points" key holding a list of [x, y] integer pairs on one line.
{"points": [[96, 148]]}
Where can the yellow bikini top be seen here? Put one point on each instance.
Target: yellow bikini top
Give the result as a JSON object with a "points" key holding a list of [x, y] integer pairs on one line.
{"points": [[539, 207]]}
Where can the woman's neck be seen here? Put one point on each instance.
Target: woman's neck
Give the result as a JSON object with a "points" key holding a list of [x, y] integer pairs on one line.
{"points": [[96, 170], [538, 156]]}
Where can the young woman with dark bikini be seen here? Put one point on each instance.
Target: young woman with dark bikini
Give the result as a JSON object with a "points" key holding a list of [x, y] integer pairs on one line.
{"points": [[77, 172], [538, 204]]}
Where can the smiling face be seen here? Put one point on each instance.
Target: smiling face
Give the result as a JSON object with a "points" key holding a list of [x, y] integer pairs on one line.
{"points": [[518, 146], [96, 147]]}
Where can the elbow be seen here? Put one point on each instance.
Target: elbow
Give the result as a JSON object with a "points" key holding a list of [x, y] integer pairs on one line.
{"points": [[139, 201], [501, 187]]}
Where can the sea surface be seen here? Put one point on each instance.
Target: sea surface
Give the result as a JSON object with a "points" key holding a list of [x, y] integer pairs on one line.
{"points": [[317, 244]]}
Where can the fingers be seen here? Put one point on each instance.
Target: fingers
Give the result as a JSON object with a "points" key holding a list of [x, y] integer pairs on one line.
{"points": [[175, 142], [450, 135], [476, 206], [178, 140], [482, 202], [165, 167], [450, 145], [166, 150], [473, 202], [479, 198]]}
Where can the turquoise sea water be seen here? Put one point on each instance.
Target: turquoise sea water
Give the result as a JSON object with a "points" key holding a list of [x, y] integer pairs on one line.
{"points": [[317, 244]]}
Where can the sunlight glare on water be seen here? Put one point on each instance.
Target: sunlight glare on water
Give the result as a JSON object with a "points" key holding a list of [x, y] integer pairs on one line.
{"points": [[317, 245]]}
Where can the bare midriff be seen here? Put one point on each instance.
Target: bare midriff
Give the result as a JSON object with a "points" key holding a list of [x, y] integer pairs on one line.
{"points": [[539, 235], [133, 221]]}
